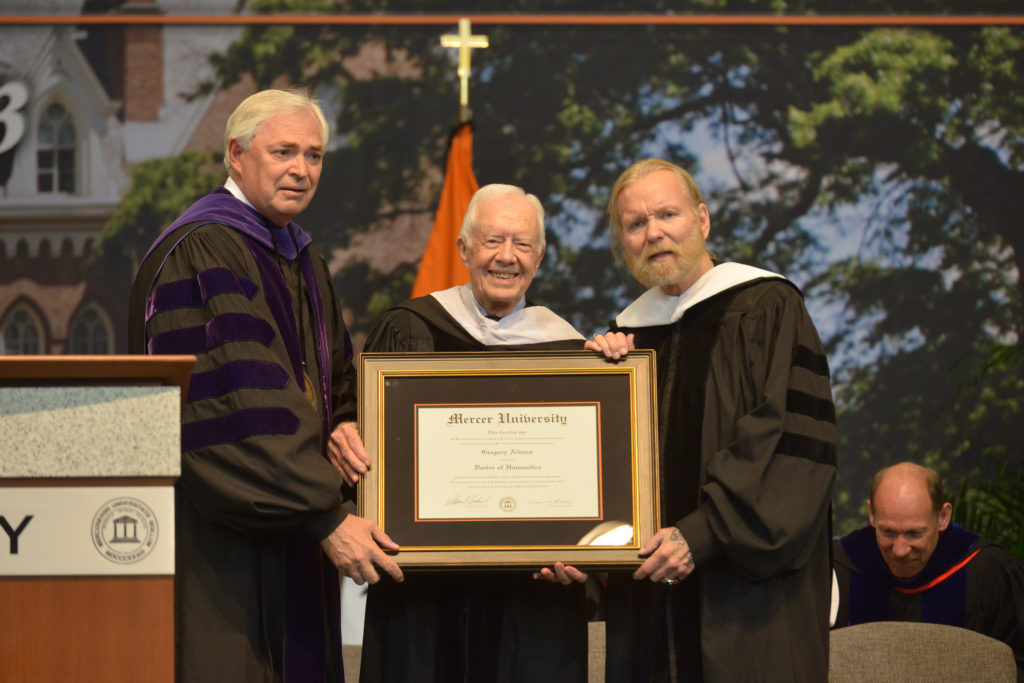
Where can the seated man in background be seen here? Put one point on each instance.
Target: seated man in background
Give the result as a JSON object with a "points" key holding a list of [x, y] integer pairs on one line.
{"points": [[488, 625], [912, 564]]}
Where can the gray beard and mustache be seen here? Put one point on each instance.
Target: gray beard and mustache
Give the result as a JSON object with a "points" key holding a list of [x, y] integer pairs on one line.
{"points": [[686, 258]]}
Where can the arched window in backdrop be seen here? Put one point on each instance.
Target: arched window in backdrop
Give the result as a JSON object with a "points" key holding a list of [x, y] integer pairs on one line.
{"points": [[55, 151], [90, 332], [23, 331]]}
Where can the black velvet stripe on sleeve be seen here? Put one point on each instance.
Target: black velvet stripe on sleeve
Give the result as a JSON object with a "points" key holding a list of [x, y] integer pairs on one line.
{"points": [[801, 446], [814, 407], [810, 359]]}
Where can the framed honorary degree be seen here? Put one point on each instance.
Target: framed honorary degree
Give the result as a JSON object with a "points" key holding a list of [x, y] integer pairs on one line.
{"points": [[521, 458]]}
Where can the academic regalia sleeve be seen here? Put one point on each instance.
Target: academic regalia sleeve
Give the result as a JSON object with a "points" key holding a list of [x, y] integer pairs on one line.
{"points": [[251, 440], [769, 438], [995, 599]]}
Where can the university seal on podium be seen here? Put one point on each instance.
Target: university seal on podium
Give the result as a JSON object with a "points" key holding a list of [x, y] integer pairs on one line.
{"points": [[124, 530]]}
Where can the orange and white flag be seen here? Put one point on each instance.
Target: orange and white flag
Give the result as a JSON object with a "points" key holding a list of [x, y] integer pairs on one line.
{"points": [[440, 267]]}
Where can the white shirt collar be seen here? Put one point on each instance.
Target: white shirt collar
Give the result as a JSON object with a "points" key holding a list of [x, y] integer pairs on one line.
{"points": [[231, 186]]}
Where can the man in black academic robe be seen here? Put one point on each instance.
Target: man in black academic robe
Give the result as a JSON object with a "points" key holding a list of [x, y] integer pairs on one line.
{"points": [[487, 625], [268, 418], [735, 585], [911, 564]]}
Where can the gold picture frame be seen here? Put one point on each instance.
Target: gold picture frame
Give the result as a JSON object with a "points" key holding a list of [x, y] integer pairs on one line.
{"points": [[510, 459]]}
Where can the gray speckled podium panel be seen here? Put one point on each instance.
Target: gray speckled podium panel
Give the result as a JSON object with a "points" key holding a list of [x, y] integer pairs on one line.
{"points": [[90, 431]]}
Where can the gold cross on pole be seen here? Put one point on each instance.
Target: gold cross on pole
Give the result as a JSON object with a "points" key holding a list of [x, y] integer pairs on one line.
{"points": [[464, 41]]}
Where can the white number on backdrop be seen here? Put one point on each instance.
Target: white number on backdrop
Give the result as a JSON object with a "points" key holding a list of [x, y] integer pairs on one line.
{"points": [[13, 97]]}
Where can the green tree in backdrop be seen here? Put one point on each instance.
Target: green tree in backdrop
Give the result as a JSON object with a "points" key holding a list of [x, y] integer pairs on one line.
{"points": [[160, 190], [879, 168]]}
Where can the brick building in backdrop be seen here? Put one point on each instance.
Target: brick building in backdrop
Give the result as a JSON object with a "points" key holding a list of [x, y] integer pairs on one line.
{"points": [[78, 106]]}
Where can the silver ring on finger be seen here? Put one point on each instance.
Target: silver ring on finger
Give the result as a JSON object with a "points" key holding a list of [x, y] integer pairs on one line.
{"points": [[669, 581]]}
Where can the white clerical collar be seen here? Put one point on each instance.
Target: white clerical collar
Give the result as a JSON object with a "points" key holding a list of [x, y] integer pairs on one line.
{"points": [[655, 307], [231, 186], [525, 325]]}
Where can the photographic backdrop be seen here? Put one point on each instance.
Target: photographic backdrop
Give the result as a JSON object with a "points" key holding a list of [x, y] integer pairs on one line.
{"points": [[878, 165]]}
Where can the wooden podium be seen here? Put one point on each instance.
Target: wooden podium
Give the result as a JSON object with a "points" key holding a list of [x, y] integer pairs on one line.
{"points": [[89, 451]]}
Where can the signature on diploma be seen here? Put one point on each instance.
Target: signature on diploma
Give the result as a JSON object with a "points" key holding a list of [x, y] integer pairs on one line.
{"points": [[553, 502], [467, 500]]}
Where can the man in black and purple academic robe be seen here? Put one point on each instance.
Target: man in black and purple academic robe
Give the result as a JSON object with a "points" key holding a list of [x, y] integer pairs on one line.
{"points": [[268, 437], [912, 564], [494, 626]]}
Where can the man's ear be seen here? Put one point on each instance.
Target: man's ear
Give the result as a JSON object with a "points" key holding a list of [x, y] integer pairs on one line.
{"points": [[705, 220], [871, 514], [463, 248], [235, 153], [945, 515]]}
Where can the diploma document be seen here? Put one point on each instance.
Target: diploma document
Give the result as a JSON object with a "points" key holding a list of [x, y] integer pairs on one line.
{"points": [[508, 461]]}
